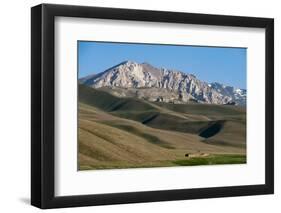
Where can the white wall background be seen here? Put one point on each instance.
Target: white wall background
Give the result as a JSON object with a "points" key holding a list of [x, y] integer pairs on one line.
{"points": [[15, 105]]}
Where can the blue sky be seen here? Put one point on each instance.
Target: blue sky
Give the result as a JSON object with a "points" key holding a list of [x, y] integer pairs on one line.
{"points": [[210, 64]]}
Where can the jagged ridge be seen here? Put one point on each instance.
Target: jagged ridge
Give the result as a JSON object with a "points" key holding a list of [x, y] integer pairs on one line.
{"points": [[142, 80]]}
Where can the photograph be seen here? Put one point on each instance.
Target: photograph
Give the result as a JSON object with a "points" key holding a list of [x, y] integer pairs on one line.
{"points": [[160, 105], [133, 105]]}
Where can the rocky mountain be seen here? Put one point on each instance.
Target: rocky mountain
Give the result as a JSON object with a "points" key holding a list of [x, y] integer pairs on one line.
{"points": [[142, 80]]}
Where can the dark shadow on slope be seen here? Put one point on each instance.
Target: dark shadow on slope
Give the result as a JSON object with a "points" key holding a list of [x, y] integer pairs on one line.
{"points": [[212, 130], [152, 117]]}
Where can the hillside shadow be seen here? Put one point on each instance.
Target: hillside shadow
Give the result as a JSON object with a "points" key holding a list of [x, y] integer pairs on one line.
{"points": [[212, 130]]}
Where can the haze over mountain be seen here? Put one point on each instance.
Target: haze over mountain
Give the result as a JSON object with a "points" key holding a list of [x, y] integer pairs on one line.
{"points": [[142, 80]]}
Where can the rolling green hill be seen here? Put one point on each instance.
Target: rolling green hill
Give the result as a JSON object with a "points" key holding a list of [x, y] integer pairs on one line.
{"points": [[110, 103], [119, 132]]}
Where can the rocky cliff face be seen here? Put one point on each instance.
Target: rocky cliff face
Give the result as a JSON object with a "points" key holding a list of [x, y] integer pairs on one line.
{"points": [[159, 84]]}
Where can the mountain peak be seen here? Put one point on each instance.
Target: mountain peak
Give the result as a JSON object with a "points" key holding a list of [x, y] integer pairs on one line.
{"points": [[132, 75]]}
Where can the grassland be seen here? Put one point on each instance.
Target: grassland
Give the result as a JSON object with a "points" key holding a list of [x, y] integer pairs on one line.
{"points": [[128, 133], [212, 159]]}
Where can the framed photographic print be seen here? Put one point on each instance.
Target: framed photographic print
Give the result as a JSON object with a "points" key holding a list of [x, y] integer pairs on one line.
{"points": [[139, 106]]}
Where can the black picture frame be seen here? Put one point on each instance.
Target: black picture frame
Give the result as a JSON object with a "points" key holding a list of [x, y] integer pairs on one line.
{"points": [[43, 117]]}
